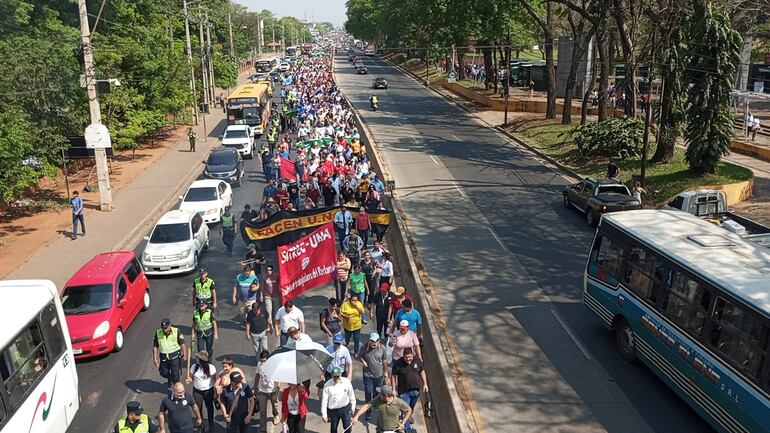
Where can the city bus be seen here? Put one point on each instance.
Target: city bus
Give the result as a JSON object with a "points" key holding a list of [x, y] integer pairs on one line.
{"points": [[691, 301], [37, 367], [291, 51], [265, 65], [249, 104]]}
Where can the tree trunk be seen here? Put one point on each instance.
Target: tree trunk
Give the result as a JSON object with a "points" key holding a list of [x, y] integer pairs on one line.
{"points": [[487, 51], [461, 64], [492, 74], [626, 37], [604, 73], [550, 110], [580, 45]]}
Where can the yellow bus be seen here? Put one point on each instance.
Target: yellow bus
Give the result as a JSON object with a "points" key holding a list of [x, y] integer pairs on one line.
{"points": [[249, 104]]}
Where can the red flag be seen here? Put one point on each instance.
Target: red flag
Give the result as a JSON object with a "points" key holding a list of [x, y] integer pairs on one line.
{"points": [[287, 169], [307, 263]]}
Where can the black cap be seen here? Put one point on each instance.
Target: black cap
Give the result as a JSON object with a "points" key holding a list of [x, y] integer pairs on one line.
{"points": [[235, 376], [165, 323], [134, 406]]}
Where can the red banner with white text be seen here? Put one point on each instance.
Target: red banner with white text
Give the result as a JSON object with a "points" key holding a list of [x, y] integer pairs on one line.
{"points": [[307, 263], [287, 169]]}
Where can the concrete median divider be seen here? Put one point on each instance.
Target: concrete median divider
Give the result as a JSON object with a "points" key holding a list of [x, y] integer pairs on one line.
{"points": [[454, 407]]}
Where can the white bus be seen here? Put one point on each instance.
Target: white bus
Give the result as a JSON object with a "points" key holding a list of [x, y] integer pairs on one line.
{"points": [[39, 388]]}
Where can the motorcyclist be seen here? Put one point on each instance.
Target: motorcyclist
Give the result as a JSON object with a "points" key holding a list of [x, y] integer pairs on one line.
{"points": [[373, 100]]}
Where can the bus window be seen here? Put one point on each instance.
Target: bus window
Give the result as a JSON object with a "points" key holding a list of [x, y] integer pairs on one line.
{"points": [[686, 303], [52, 333], [24, 363], [606, 260], [642, 265], [739, 336]]}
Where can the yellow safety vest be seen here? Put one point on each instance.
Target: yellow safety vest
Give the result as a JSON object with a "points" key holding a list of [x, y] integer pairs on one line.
{"points": [[203, 290], [202, 322], [228, 221], [142, 427], [168, 344]]}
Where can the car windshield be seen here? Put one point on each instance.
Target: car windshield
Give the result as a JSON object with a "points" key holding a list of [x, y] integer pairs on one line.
{"points": [[236, 133], [170, 233], [201, 194], [222, 158], [613, 189], [87, 299]]}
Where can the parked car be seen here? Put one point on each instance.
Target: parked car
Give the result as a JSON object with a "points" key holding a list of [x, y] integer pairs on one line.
{"points": [[379, 83], [595, 197], [260, 76], [369, 52], [101, 300], [241, 138], [283, 67], [361, 70], [208, 197], [176, 243], [357, 65], [226, 164]]}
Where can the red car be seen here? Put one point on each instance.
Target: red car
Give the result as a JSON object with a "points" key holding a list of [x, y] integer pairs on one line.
{"points": [[101, 300]]}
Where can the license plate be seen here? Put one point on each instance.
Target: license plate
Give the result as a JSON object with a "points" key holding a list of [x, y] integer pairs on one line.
{"points": [[77, 351], [165, 268]]}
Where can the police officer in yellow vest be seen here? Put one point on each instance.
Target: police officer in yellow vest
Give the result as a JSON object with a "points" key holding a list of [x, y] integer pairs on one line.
{"points": [[272, 137], [136, 421], [227, 230], [204, 329], [204, 290], [168, 352]]}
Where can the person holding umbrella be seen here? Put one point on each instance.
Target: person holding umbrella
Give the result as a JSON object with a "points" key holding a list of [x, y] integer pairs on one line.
{"points": [[237, 404], [338, 401]]}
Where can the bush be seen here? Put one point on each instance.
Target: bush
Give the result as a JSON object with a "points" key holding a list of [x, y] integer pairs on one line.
{"points": [[611, 138]]}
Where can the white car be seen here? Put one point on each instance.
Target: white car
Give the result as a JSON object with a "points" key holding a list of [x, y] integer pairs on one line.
{"points": [[175, 243], [241, 138], [284, 67], [208, 197]]}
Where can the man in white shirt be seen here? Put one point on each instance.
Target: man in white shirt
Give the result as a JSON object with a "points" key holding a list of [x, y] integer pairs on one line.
{"points": [[338, 401], [299, 336], [288, 316], [340, 358]]}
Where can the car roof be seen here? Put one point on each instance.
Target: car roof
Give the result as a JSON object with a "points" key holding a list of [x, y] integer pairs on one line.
{"points": [[236, 127], [205, 183], [102, 268], [176, 216], [223, 150], [604, 181]]}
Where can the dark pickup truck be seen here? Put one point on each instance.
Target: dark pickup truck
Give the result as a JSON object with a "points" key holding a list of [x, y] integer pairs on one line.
{"points": [[595, 197]]}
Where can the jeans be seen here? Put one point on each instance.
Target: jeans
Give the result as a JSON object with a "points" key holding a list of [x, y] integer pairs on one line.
{"points": [[356, 339], [75, 219], [341, 233], [341, 287], [370, 387], [228, 235], [364, 235], [237, 427], [284, 338], [296, 423], [262, 399], [205, 399], [382, 323], [268, 171], [337, 415], [410, 397], [260, 342], [205, 343]]}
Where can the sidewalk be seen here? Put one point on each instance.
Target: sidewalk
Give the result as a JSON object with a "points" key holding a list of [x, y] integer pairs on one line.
{"points": [[135, 207]]}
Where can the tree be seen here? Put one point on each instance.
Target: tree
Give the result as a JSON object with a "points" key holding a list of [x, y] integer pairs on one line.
{"points": [[547, 26], [581, 40], [712, 56], [19, 152]]}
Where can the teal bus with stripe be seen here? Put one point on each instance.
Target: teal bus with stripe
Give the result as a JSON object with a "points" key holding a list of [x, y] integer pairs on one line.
{"points": [[691, 301]]}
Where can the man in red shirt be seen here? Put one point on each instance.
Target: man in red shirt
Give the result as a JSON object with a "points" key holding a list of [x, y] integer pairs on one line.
{"points": [[282, 197], [314, 194]]}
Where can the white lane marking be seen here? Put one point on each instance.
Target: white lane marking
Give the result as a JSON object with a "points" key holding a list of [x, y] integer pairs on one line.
{"points": [[460, 190], [433, 159], [455, 137], [499, 241], [572, 335], [398, 123], [414, 138]]}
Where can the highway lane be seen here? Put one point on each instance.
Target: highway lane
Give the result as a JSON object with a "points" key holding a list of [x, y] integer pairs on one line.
{"points": [[506, 259]]}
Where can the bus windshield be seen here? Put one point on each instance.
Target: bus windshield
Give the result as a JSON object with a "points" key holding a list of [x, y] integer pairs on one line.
{"points": [[87, 299]]}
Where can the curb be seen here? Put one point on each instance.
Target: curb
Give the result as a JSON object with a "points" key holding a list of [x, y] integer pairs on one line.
{"points": [[465, 417]]}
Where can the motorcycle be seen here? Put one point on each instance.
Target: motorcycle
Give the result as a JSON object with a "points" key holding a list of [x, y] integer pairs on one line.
{"points": [[375, 106]]}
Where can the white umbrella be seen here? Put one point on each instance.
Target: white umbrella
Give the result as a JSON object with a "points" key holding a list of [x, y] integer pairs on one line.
{"points": [[296, 362]]}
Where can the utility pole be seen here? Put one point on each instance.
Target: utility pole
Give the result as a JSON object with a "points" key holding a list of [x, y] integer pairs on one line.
{"points": [[100, 154], [507, 76], [648, 114], [210, 62], [204, 69], [190, 62], [260, 37], [230, 24], [273, 26]]}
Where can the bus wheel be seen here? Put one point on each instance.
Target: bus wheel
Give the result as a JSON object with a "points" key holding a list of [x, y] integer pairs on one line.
{"points": [[626, 340]]}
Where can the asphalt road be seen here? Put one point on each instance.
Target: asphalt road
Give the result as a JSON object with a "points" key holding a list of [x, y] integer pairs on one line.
{"points": [[107, 383], [506, 259]]}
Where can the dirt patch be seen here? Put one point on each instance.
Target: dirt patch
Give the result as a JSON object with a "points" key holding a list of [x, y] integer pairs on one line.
{"points": [[44, 215]]}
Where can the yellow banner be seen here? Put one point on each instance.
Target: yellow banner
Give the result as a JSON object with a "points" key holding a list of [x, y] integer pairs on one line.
{"points": [[290, 224]]}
